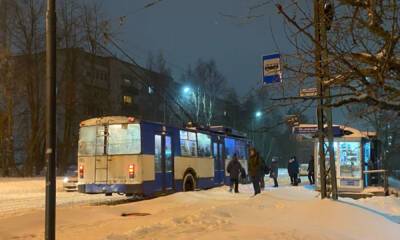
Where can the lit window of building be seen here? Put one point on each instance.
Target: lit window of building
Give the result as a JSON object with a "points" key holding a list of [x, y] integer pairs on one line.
{"points": [[127, 99]]}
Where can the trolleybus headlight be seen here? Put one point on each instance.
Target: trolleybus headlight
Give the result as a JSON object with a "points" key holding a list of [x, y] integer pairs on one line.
{"points": [[81, 171], [131, 171]]}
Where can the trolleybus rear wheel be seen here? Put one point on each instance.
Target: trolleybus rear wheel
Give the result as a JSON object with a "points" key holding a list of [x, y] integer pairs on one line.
{"points": [[189, 182]]}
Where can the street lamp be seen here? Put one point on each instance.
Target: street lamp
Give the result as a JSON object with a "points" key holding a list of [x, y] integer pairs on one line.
{"points": [[258, 114], [186, 90]]}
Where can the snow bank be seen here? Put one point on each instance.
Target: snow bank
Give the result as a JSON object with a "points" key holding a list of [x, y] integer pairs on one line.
{"points": [[284, 213]]}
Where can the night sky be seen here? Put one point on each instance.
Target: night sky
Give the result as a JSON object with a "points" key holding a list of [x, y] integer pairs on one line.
{"points": [[186, 30]]}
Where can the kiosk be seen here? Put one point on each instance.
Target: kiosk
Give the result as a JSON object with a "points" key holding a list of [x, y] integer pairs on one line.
{"points": [[355, 152]]}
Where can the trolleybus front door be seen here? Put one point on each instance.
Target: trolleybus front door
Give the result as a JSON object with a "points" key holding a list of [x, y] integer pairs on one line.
{"points": [[218, 163], [164, 163]]}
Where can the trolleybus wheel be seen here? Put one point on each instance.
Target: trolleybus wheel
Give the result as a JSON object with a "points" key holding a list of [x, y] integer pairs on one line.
{"points": [[189, 182]]}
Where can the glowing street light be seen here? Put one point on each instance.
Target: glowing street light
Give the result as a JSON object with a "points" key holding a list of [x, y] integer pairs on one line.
{"points": [[187, 90], [258, 114]]}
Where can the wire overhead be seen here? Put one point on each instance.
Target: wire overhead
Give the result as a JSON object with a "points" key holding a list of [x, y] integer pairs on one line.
{"points": [[144, 78]]}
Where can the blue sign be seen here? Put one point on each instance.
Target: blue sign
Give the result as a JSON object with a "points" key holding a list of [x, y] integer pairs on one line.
{"points": [[272, 72]]}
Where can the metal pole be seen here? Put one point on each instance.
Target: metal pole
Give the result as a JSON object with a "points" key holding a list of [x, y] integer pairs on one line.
{"points": [[327, 93], [50, 218], [320, 112]]}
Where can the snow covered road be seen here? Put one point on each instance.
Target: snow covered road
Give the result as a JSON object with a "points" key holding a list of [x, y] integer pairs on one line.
{"points": [[286, 213], [19, 195]]}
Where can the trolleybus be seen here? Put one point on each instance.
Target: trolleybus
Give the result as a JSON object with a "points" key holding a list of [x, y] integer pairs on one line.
{"points": [[125, 155]]}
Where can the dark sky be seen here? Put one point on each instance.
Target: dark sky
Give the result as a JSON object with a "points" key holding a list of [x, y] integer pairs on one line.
{"points": [[186, 30]]}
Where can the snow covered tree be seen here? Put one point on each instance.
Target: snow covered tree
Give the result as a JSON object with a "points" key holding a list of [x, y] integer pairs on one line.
{"points": [[362, 47]]}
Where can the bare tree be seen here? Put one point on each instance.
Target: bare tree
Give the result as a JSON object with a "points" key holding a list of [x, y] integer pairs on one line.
{"points": [[27, 39], [207, 84], [362, 48], [7, 97]]}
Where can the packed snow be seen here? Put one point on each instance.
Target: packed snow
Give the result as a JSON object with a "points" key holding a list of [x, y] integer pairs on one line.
{"points": [[18, 195], [277, 213]]}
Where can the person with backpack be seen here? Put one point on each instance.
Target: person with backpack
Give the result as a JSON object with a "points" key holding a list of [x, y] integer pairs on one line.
{"points": [[274, 171], [234, 169]]}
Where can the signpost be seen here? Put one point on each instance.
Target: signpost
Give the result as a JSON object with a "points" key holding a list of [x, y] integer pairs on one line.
{"points": [[309, 92], [272, 71]]}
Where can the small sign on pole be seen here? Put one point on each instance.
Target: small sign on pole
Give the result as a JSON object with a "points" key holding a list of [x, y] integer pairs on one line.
{"points": [[272, 72], [308, 92]]}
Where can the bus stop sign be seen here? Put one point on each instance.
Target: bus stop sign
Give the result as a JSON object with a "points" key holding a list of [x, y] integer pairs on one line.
{"points": [[272, 72]]}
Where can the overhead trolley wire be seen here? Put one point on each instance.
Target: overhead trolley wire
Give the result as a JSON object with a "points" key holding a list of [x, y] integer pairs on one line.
{"points": [[144, 79]]}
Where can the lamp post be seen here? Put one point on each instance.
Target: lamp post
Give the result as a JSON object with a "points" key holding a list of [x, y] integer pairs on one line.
{"points": [[50, 206]]}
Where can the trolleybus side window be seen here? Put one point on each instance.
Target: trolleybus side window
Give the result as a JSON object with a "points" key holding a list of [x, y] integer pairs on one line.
{"points": [[123, 139], [240, 149], [229, 148], [168, 154], [157, 153], [233, 146], [90, 141], [188, 143], [204, 143]]}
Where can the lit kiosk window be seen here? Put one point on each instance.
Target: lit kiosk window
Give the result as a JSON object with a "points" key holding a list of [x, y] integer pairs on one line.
{"points": [[352, 149]]}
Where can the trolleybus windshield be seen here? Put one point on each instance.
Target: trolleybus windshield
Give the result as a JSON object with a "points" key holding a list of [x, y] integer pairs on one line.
{"points": [[120, 139]]}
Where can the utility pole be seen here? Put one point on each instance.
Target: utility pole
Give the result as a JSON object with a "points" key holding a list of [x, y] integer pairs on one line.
{"points": [[324, 112], [323, 7], [320, 112], [50, 218]]}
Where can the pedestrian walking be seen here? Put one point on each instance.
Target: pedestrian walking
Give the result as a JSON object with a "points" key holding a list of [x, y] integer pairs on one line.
{"points": [[263, 169], [234, 169], [293, 170], [254, 170], [274, 171], [310, 170]]}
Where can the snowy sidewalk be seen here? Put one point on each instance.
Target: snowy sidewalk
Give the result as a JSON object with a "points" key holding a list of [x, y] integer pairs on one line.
{"points": [[283, 213]]}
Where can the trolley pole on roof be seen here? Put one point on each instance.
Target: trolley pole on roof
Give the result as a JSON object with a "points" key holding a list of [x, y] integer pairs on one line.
{"points": [[50, 207]]}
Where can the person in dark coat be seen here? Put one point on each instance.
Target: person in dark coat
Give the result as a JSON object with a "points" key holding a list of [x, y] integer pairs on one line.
{"points": [[254, 170], [293, 170], [262, 172], [274, 171], [234, 169], [310, 170]]}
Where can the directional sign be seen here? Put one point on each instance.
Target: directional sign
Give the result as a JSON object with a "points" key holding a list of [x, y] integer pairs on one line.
{"points": [[272, 72], [313, 129], [308, 92]]}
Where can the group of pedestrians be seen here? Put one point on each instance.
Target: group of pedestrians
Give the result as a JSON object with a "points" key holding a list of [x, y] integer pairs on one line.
{"points": [[257, 169]]}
